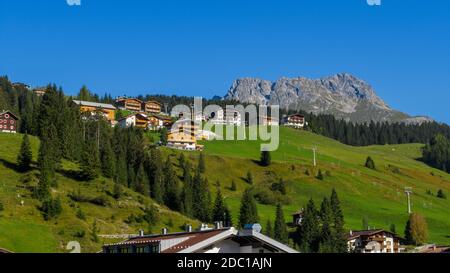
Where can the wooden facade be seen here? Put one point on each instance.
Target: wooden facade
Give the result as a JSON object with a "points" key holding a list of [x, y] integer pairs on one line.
{"points": [[107, 110], [152, 107], [8, 122], [129, 104]]}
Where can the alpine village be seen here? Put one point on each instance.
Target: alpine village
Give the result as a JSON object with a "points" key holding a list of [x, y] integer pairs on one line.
{"points": [[126, 175]]}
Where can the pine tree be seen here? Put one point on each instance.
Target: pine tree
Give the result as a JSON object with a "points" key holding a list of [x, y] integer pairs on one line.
{"points": [[249, 178], [187, 190], [309, 231], [25, 155], [280, 229], [158, 189], [233, 186], [94, 231], [142, 184], [164, 136], [265, 158], [219, 208], [326, 237], [248, 213], [201, 163], [90, 162], [121, 174], [441, 194], [172, 196], [320, 175], [268, 231], [108, 161], [202, 198], [340, 243], [117, 190], [370, 163]]}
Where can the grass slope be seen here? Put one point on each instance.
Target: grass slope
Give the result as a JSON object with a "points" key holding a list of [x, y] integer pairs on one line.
{"points": [[23, 229], [375, 194]]}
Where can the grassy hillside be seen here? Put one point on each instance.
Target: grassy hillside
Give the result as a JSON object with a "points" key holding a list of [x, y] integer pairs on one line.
{"points": [[23, 229], [375, 194]]}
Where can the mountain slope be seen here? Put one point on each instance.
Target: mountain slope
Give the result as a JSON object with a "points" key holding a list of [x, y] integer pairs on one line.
{"points": [[23, 229], [342, 95], [375, 194]]}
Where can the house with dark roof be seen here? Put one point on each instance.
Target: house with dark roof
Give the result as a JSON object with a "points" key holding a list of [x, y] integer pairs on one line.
{"points": [[8, 122], [205, 240], [94, 108], [373, 241]]}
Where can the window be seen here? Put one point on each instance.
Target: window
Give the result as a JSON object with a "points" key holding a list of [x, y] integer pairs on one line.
{"points": [[11, 121], [6, 115]]}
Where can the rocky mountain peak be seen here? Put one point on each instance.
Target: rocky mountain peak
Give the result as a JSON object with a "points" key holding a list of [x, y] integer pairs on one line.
{"points": [[342, 95]]}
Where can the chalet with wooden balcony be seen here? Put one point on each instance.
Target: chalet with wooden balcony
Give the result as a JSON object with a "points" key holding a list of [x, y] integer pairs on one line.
{"points": [[296, 121], [130, 104], [106, 110], [8, 122], [373, 241], [152, 107], [139, 120]]}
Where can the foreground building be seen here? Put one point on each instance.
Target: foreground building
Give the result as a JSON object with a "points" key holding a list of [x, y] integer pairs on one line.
{"points": [[373, 241], [8, 122], [205, 240]]}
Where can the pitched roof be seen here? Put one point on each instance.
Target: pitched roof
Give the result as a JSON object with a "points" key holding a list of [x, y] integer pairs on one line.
{"points": [[189, 242], [94, 104], [9, 112], [355, 234]]}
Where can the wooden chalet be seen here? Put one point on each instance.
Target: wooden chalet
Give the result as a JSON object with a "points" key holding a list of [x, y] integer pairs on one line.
{"points": [[130, 104], [139, 120], [107, 110], [296, 121], [152, 107], [373, 241], [8, 122]]}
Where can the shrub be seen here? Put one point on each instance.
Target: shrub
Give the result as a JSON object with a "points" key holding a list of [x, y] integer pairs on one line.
{"points": [[101, 200], [370, 163], [51, 208], [320, 175], [441, 194], [416, 230], [81, 215], [233, 186]]}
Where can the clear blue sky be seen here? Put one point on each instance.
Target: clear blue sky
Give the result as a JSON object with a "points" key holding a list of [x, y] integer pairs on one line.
{"points": [[198, 47]]}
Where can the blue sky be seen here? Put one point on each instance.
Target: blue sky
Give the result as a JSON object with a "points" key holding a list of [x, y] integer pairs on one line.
{"points": [[198, 47]]}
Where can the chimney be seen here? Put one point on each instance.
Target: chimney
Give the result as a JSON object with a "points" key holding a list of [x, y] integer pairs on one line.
{"points": [[141, 233], [188, 228], [164, 231], [351, 232]]}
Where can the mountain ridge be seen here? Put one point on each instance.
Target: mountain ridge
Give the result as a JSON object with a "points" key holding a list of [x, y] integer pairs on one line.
{"points": [[342, 95]]}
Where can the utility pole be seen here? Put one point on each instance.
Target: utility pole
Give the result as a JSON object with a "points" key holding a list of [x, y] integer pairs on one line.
{"points": [[408, 191], [314, 156]]}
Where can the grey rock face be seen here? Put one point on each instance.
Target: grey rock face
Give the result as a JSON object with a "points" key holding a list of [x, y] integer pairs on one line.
{"points": [[341, 95]]}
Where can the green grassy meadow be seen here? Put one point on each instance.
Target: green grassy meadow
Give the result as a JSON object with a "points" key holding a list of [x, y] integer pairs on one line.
{"points": [[23, 229], [375, 194]]}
